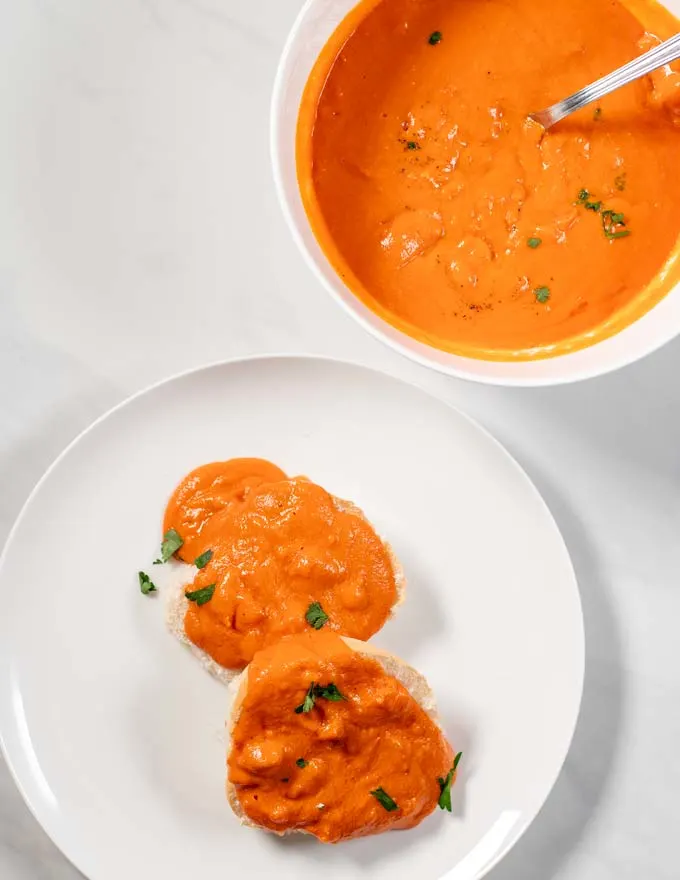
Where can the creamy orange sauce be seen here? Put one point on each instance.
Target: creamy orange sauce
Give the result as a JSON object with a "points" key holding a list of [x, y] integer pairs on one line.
{"points": [[209, 489], [278, 545], [457, 221], [378, 737]]}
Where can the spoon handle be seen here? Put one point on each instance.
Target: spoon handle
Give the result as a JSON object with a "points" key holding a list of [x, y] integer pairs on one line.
{"points": [[665, 53]]}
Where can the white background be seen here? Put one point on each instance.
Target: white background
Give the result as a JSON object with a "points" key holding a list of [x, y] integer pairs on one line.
{"points": [[139, 236]]}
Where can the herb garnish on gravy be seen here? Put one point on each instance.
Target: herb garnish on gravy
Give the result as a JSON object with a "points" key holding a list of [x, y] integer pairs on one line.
{"points": [[362, 765], [202, 560], [424, 182], [273, 555], [316, 616], [445, 785], [200, 597], [384, 799], [317, 691], [171, 544]]}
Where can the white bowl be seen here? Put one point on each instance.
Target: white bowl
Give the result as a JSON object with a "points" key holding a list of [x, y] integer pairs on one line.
{"points": [[315, 24]]}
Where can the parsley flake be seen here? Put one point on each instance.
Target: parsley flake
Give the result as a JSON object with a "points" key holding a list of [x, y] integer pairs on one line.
{"points": [[445, 785], [434, 38], [200, 597], [385, 800], [542, 294], [301, 763], [316, 616], [308, 703], [202, 560], [534, 242], [171, 544], [330, 692], [613, 223], [146, 585], [316, 691]]}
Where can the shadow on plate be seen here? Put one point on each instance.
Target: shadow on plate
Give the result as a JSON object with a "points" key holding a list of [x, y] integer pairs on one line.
{"points": [[419, 620], [580, 786]]}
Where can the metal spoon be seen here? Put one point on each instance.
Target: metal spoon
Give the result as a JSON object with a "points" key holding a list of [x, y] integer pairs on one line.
{"points": [[663, 54]]}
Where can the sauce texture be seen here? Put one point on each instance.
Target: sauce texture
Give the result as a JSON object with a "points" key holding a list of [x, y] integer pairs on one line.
{"points": [[278, 546], [461, 223], [315, 770]]}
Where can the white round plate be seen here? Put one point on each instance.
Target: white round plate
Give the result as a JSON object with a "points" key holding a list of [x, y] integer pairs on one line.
{"points": [[114, 732]]}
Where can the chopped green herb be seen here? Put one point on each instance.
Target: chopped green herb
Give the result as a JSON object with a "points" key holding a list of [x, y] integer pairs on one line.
{"points": [[316, 616], [542, 294], [308, 703], [534, 242], [434, 38], [445, 785], [145, 584], [620, 182], [315, 691], [597, 114], [202, 560], [200, 597], [412, 145], [384, 799], [171, 544], [301, 763], [613, 223], [158, 562], [330, 692]]}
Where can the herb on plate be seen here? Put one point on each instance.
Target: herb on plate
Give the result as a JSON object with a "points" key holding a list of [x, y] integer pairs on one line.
{"points": [[301, 763], [434, 38], [171, 544], [533, 243], [146, 585], [542, 294]]}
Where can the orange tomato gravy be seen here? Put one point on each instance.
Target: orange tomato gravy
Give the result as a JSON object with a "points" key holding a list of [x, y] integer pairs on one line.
{"points": [[278, 545], [424, 183], [378, 737]]}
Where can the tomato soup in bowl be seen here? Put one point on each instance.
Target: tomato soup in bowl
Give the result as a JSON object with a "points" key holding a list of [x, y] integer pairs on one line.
{"points": [[451, 226]]}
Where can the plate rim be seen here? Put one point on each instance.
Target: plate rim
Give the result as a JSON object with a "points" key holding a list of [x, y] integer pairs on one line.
{"points": [[512, 840]]}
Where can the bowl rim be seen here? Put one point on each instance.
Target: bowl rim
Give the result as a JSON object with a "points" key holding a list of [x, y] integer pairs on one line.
{"points": [[440, 360]]}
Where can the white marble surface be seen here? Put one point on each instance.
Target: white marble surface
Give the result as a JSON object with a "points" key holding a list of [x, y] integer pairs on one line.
{"points": [[139, 236]]}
